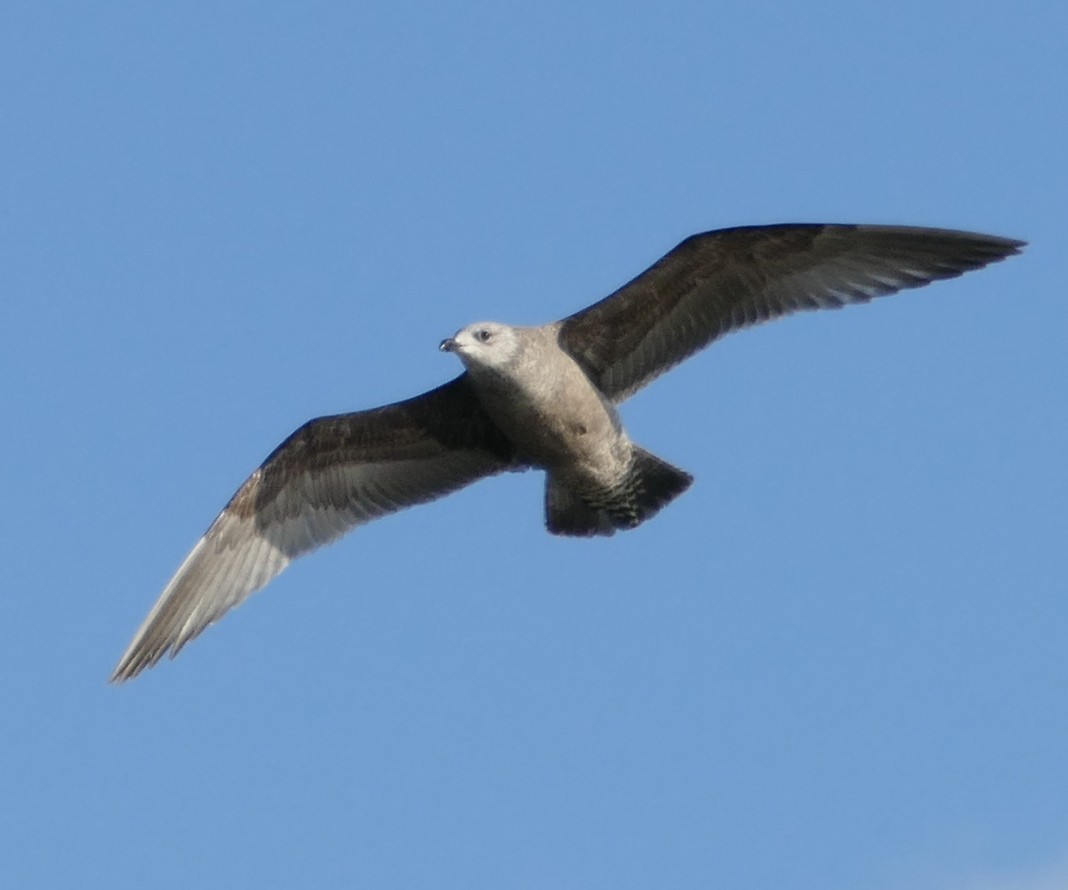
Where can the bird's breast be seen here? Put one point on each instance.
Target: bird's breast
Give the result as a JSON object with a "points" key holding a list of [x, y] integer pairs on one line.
{"points": [[555, 420]]}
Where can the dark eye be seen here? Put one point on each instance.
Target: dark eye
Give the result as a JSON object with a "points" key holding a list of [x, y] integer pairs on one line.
{"points": [[483, 336]]}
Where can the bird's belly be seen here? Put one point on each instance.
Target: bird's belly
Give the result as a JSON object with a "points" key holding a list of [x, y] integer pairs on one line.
{"points": [[575, 438]]}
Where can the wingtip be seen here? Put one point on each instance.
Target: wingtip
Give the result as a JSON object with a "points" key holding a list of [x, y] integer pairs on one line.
{"points": [[995, 250], [125, 670], [138, 658], [1008, 246]]}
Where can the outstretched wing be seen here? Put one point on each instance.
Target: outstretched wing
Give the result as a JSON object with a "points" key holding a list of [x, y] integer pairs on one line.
{"points": [[721, 281], [332, 474]]}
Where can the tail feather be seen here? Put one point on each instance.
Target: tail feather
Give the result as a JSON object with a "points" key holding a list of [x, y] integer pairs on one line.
{"points": [[566, 513], [650, 484]]}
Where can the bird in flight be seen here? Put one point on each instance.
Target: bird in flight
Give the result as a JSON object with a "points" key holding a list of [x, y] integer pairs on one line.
{"points": [[540, 398]]}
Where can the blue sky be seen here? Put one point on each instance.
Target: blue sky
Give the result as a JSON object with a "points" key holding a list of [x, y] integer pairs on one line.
{"points": [[837, 662]]}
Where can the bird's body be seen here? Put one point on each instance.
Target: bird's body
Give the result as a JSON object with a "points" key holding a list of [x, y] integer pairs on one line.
{"points": [[543, 402], [550, 410], [540, 398]]}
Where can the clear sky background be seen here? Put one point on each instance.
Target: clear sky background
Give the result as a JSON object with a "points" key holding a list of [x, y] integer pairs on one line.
{"points": [[839, 661]]}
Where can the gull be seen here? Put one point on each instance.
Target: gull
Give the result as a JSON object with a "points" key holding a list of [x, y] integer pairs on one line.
{"points": [[541, 398]]}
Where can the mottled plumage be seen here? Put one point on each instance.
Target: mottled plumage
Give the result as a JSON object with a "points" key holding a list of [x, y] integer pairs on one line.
{"points": [[542, 397]]}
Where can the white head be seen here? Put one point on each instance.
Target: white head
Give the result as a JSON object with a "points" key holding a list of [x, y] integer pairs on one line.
{"points": [[484, 345]]}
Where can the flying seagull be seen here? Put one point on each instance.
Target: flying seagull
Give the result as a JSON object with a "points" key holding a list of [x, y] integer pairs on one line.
{"points": [[540, 398]]}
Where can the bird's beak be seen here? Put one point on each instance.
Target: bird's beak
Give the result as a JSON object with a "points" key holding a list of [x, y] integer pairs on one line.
{"points": [[447, 345]]}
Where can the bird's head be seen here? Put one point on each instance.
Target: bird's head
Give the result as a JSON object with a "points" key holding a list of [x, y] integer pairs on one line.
{"points": [[486, 344]]}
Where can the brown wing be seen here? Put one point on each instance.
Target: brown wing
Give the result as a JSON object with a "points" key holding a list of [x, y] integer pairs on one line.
{"points": [[721, 281], [332, 474]]}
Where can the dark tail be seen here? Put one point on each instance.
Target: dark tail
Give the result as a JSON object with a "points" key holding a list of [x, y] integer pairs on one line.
{"points": [[650, 485]]}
